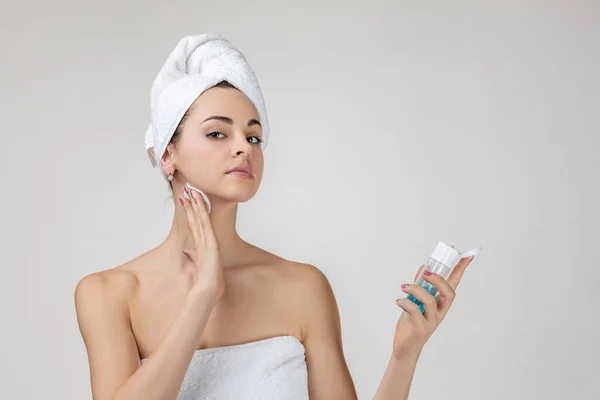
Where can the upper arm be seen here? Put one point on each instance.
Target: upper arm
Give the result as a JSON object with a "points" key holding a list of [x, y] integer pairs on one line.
{"points": [[106, 332], [328, 374]]}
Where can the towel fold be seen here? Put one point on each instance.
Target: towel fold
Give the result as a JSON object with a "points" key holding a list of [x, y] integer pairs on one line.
{"points": [[197, 63]]}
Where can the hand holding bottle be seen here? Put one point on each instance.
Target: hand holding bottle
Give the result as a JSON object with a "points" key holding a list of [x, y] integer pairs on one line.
{"points": [[429, 298]]}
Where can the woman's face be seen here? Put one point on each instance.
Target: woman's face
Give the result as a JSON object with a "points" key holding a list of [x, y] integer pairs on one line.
{"points": [[222, 131]]}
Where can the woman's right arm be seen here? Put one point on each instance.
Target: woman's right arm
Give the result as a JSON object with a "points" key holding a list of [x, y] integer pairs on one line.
{"points": [[101, 302], [115, 372]]}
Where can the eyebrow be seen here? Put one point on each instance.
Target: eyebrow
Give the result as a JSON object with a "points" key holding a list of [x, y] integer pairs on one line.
{"points": [[229, 121]]}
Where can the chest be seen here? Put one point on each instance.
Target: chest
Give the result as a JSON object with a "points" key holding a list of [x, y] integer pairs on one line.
{"points": [[249, 310]]}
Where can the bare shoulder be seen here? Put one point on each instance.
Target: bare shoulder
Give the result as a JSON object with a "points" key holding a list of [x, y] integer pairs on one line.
{"points": [[290, 273], [111, 287], [308, 277], [310, 298], [102, 307], [304, 286], [310, 285]]}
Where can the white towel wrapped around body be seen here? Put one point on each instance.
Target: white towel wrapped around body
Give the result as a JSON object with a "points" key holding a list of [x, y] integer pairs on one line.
{"points": [[197, 63], [273, 368]]}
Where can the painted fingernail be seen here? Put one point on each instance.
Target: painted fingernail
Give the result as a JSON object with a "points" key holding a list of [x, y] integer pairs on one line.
{"points": [[404, 286], [471, 259], [186, 189], [427, 273], [181, 200]]}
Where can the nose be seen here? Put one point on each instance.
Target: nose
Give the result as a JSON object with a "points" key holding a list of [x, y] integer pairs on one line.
{"points": [[241, 145]]}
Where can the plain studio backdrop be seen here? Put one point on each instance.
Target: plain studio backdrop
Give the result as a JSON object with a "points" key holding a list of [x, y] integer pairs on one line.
{"points": [[395, 124]]}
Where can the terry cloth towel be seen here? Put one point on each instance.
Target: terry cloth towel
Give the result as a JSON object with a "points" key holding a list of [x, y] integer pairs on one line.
{"points": [[273, 368], [197, 63]]}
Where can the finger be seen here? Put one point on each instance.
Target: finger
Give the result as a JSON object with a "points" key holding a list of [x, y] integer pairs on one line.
{"points": [[447, 293], [191, 253], [197, 213], [199, 230], [419, 272], [429, 302], [413, 311], [458, 271], [202, 214], [191, 219]]}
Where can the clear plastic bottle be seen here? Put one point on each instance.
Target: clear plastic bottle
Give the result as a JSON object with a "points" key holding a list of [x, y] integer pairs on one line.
{"points": [[443, 259]]}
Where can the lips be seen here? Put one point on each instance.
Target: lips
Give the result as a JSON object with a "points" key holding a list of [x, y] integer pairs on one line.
{"points": [[241, 170]]}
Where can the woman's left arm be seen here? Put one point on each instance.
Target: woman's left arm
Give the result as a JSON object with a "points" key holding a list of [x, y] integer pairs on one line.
{"points": [[328, 374], [415, 328]]}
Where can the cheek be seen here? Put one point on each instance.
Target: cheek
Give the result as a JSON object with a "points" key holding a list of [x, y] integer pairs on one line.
{"points": [[259, 163], [198, 159], [192, 145], [206, 164]]}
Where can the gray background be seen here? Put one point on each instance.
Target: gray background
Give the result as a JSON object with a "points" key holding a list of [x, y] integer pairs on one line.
{"points": [[395, 124]]}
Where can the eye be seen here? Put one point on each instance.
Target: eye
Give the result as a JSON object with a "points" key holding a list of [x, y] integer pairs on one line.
{"points": [[258, 140], [212, 134]]}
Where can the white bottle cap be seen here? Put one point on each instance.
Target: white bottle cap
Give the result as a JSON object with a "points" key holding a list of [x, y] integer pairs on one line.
{"points": [[471, 252], [449, 256], [445, 254]]}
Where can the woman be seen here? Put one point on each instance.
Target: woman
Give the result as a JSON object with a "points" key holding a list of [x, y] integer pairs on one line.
{"points": [[207, 315]]}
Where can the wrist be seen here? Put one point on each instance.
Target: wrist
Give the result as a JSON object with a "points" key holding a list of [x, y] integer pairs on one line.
{"points": [[203, 293], [405, 355]]}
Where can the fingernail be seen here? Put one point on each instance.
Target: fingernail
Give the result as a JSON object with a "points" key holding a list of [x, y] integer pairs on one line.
{"points": [[427, 273], [186, 189], [181, 200], [404, 286], [472, 257]]}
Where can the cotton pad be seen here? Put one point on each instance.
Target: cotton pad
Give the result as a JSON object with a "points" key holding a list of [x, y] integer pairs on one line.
{"points": [[206, 201]]}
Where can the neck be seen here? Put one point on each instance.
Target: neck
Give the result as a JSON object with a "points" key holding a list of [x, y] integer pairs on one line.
{"points": [[223, 218]]}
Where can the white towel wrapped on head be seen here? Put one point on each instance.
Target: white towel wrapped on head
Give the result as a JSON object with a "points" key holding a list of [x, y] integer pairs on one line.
{"points": [[197, 63]]}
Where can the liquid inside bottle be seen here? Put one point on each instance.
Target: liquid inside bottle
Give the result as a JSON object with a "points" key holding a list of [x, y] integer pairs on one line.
{"points": [[441, 262], [437, 268]]}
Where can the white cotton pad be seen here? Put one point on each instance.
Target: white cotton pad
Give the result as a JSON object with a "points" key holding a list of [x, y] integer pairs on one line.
{"points": [[206, 201]]}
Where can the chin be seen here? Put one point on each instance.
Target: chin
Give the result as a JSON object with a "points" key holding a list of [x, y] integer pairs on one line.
{"points": [[237, 193]]}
